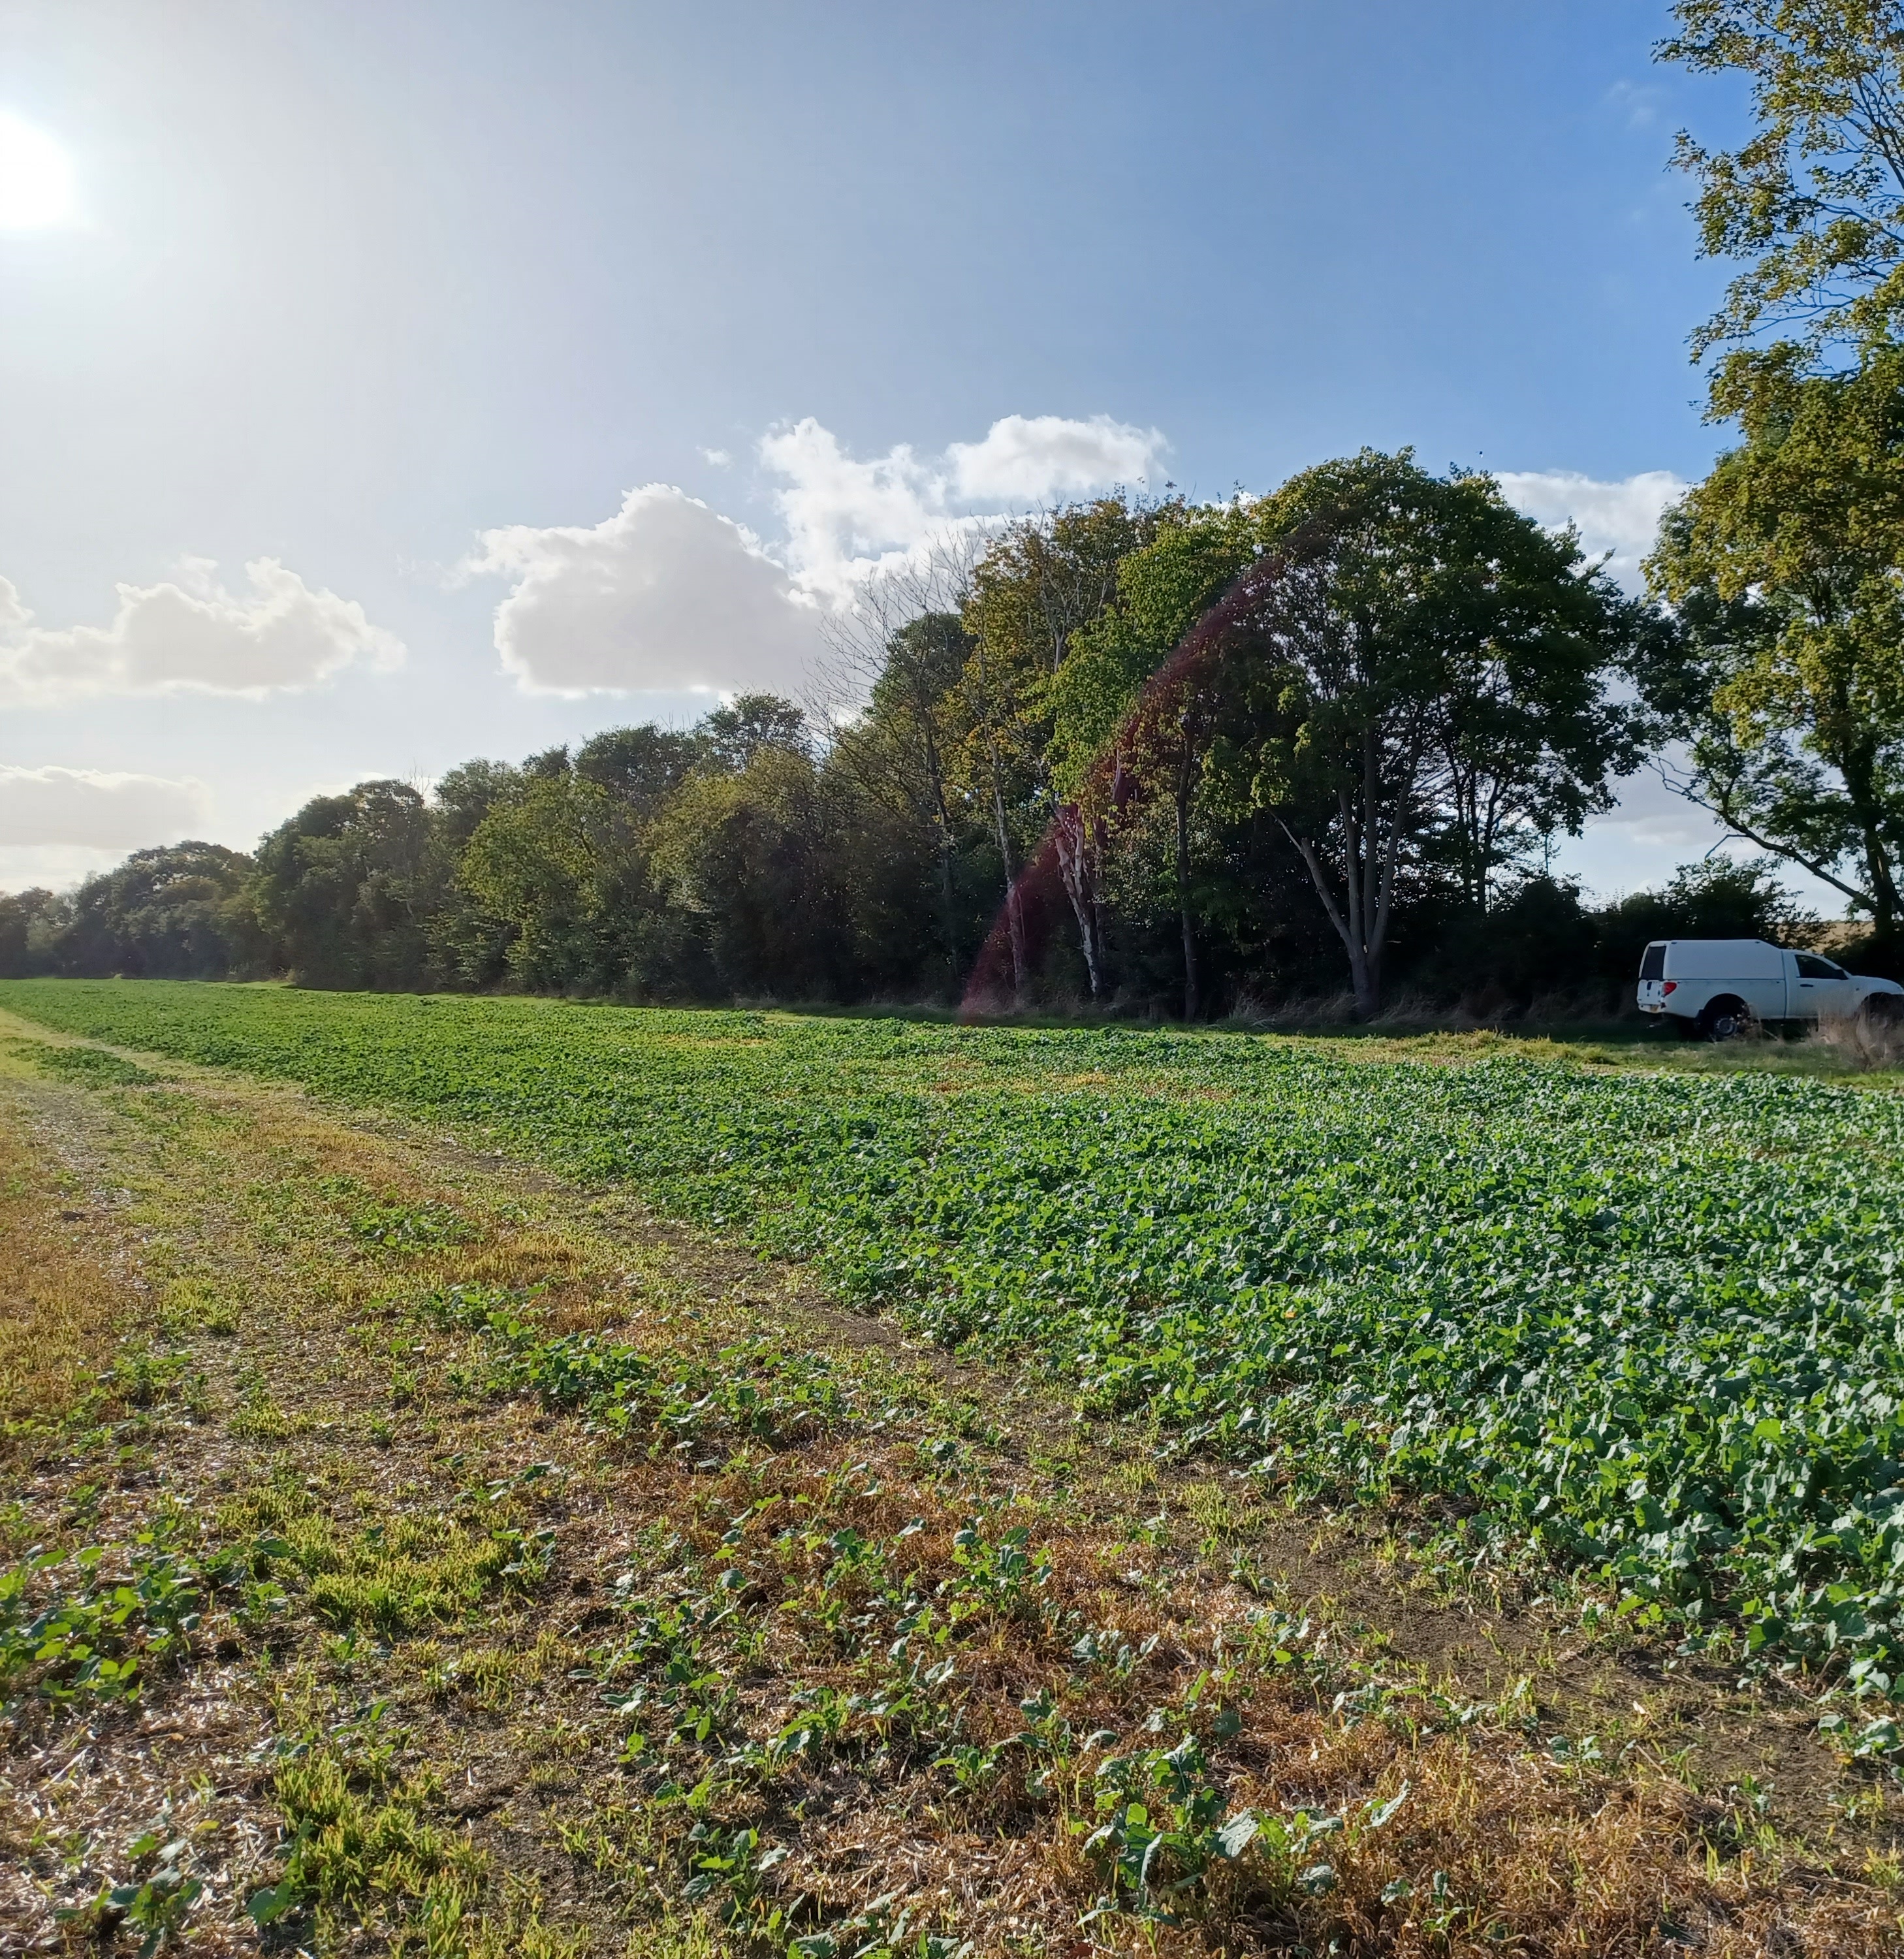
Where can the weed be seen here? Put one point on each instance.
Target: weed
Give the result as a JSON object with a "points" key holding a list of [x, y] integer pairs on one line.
{"points": [[89, 1626], [360, 1833]]}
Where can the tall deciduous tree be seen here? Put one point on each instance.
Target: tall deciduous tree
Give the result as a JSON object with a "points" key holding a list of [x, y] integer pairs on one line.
{"points": [[1042, 581], [1386, 597], [343, 887], [751, 855], [539, 862], [181, 911], [1128, 725], [896, 755], [1812, 202], [1785, 567]]}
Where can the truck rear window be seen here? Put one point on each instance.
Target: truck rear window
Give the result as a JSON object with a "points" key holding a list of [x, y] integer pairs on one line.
{"points": [[1652, 963]]}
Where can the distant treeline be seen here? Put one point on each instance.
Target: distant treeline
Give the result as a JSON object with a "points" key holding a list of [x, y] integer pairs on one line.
{"points": [[1144, 756]]}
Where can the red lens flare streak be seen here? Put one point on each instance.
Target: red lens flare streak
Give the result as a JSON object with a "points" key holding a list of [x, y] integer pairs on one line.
{"points": [[1109, 786]]}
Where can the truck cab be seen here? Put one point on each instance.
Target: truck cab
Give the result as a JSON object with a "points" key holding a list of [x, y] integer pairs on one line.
{"points": [[1717, 988]]}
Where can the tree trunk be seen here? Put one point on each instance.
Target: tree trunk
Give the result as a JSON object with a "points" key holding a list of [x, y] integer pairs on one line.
{"points": [[947, 909], [942, 825], [1363, 977], [1073, 867], [1186, 782], [1859, 770], [1361, 917], [1015, 909]]}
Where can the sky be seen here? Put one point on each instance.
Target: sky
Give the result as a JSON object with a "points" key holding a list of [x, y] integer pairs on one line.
{"points": [[383, 387]]}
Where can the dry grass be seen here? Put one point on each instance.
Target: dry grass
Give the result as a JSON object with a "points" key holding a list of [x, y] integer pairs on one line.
{"points": [[63, 1309], [785, 1566], [1861, 1044]]}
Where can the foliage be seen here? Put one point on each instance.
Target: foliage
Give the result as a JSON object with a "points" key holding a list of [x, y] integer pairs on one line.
{"points": [[1813, 200], [1423, 668], [1042, 583], [1784, 675], [1191, 754], [1647, 1326], [90, 1626], [343, 888], [1127, 720], [33, 925], [92, 1066], [182, 911], [895, 759]]}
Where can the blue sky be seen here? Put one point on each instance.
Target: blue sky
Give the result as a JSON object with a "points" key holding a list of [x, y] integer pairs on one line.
{"points": [[406, 300]]}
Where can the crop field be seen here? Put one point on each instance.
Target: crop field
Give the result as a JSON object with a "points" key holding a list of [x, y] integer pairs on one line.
{"points": [[485, 1478], [1640, 1328]]}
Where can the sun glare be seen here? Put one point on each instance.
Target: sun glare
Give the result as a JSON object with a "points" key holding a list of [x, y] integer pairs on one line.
{"points": [[35, 177]]}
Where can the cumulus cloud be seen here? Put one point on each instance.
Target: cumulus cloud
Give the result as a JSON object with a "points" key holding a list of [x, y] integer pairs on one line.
{"points": [[1622, 517], [848, 518], [666, 594], [1024, 459], [191, 634], [96, 810]]}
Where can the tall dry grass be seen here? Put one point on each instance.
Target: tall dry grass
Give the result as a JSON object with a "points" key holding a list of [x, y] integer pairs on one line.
{"points": [[61, 1309], [1864, 1042]]}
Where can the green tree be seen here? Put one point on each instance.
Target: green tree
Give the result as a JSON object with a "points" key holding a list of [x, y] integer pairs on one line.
{"points": [[1386, 596], [558, 864], [752, 857], [730, 736], [32, 924], [1785, 673], [344, 888], [1043, 580], [1127, 726], [1812, 202], [639, 768], [469, 944], [895, 755], [182, 911], [536, 862]]}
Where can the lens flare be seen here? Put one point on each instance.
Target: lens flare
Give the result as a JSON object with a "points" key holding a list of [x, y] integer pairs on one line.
{"points": [[35, 177], [1033, 903]]}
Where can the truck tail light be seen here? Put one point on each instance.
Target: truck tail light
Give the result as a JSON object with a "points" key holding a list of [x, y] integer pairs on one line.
{"points": [[1671, 985]]}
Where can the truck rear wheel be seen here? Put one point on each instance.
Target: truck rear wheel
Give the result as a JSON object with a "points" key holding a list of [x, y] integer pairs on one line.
{"points": [[1725, 1019]]}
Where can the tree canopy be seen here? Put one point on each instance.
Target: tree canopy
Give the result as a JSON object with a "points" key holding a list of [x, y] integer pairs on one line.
{"points": [[1812, 204], [1785, 673]]}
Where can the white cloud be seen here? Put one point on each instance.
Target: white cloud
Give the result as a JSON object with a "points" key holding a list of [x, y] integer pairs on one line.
{"points": [[720, 458], [55, 866], [848, 518], [1621, 517], [844, 516], [91, 809], [1024, 459], [191, 634], [666, 594], [669, 594]]}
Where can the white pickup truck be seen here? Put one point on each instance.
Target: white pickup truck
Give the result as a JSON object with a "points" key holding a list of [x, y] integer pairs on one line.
{"points": [[1717, 988]]}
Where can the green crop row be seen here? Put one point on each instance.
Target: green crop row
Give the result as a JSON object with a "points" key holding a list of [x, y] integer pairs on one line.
{"points": [[1646, 1325]]}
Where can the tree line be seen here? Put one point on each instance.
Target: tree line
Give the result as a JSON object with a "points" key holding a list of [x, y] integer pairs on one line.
{"points": [[1145, 755], [1168, 756]]}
